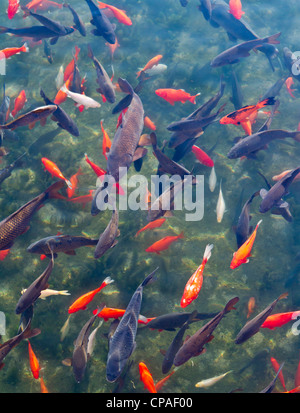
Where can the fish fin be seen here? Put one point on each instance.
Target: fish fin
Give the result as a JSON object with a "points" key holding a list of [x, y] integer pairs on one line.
{"points": [[67, 362], [263, 192], [32, 333], [186, 338], [168, 214], [284, 295], [54, 40], [114, 243], [70, 252]]}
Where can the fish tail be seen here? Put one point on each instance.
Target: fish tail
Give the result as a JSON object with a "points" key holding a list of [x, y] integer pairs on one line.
{"points": [[102, 5], [64, 292], [64, 88], [3, 29], [284, 295], [52, 191], [28, 333], [273, 39], [266, 102], [207, 252], [149, 278], [193, 98], [297, 136], [25, 47], [181, 235], [125, 86], [230, 305]]}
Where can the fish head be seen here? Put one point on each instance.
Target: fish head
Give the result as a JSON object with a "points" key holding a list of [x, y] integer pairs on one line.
{"points": [[79, 361], [114, 367]]}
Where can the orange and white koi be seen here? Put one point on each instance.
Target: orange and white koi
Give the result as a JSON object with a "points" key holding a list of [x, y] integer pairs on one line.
{"points": [[241, 256], [54, 170], [82, 302], [194, 284], [11, 51], [278, 320]]}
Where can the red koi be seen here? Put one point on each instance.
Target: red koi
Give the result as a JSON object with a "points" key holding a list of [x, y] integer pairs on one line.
{"points": [[19, 103], [146, 378], [235, 8], [164, 243], [278, 320], [202, 156], [176, 95], [33, 361], [74, 183], [54, 170], [276, 366], [153, 224]]}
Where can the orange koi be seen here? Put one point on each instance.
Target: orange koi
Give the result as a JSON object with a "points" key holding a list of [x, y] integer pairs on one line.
{"points": [[276, 366], [113, 47], [288, 83], [43, 386], [241, 256], [202, 157], [74, 183], [19, 103], [33, 361], [194, 284], [3, 254], [148, 123], [146, 378], [235, 8], [106, 143], [11, 51], [176, 95], [42, 5], [251, 306], [152, 62], [278, 177], [69, 70], [62, 96], [278, 320], [82, 302], [120, 15], [153, 224], [54, 170], [161, 382], [242, 115], [164, 243], [83, 199], [98, 171], [106, 313]]}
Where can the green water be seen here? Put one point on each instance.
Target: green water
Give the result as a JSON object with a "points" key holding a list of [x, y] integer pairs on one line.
{"points": [[187, 43]]}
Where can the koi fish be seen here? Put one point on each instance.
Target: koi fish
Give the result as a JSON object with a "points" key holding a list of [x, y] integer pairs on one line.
{"points": [[283, 174], [43, 386], [74, 183], [103, 25], [194, 284], [288, 83], [148, 123], [106, 143], [37, 114], [82, 302], [202, 157], [42, 5], [11, 51], [220, 206], [122, 343], [278, 320], [146, 378], [235, 8], [17, 223], [97, 169], [212, 180], [80, 99], [55, 171], [120, 15], [13, 8], [164, 243], [242, 115], [106, 313], [83, 199], [161, 382], [276, 367], [251, 306], [241, 256], [153, 224], [70, 66], [152, 62], [34, 363], [176, 95], [252, 326], [211, 381], [107, 239], [78, 23]]}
